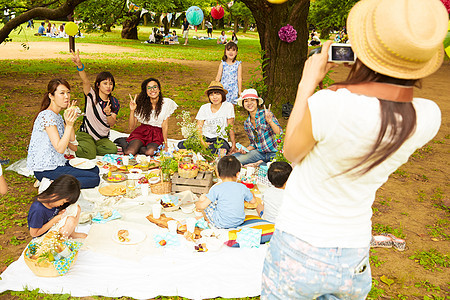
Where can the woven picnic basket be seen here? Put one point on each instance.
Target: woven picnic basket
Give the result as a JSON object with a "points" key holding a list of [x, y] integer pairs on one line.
{"points": [[162, 187], [50, 269]]}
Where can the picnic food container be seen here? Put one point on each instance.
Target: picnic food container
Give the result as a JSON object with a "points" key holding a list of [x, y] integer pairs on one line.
{"points": [[187, 168], [51, 263], [162, 187]]}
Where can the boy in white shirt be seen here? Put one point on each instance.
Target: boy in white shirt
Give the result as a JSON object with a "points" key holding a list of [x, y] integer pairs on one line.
{"points": [[272, 198]]}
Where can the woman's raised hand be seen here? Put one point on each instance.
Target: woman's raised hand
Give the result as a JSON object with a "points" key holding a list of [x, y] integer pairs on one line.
{"points": [[267, 113], [317, 66], [107, 109], [76, 58], [133, 104]]}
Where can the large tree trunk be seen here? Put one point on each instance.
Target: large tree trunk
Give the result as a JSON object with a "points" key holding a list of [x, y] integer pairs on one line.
{"points": [[284, 61], [129, 26]]}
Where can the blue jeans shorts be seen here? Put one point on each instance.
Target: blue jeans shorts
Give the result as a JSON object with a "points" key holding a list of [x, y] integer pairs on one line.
{"points": [[294, 269]]}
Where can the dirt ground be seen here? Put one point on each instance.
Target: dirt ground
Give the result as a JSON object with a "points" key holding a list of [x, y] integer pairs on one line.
{"points": [[414, 200]]}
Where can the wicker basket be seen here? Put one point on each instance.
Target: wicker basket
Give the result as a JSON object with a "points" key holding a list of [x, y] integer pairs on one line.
{"points": [[187, 173], [46, 268], [162, 187]]}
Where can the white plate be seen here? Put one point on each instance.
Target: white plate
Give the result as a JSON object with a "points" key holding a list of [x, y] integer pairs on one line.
{"points": [[82, 163], [135, 236]]}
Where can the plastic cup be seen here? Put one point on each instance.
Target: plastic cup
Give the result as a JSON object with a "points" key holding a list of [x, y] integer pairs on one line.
{"points": [[144, 189], [172, 224], [190, 224], [125, 160], [131, 188], [156, 210], [250, 171]]}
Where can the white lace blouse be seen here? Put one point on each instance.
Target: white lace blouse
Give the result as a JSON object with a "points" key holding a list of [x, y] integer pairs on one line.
{"points": [[42, 156]]}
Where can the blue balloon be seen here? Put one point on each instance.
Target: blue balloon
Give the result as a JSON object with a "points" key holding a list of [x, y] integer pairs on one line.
{"points": [[194, 15]]}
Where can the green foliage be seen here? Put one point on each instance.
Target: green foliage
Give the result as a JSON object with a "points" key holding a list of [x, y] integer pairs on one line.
{"points": [[329, 14], [279, 156], [379, 228], [256, 82], [431, 260], [376, 292]]}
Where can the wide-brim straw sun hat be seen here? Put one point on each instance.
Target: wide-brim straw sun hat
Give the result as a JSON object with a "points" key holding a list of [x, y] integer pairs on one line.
{"points": [[249, 94], [216, 86], [399, 38]]}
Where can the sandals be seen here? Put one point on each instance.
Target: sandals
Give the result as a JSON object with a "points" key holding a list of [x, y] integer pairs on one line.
{"points": [[388, 240]]}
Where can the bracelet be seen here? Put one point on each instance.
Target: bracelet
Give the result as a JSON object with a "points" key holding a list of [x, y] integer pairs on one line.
{"points": [[82, 68], [74, 142]]}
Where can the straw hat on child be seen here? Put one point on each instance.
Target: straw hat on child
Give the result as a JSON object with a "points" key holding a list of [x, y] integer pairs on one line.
{"points": [[216, 86], [249, 94], [399, 38]]}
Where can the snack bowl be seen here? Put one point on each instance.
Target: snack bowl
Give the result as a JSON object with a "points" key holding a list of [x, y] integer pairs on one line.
{"points": [[154, 180], [187, 209], [249, 185], [134, 173], [170, 202], [198, 213]]}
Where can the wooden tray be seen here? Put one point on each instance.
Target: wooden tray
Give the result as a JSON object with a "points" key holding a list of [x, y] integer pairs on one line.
{"points": [[162, 222], [112, 190]]}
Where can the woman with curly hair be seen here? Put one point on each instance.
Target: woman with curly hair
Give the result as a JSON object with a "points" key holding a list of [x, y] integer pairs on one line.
{"points": [[152, 110]]}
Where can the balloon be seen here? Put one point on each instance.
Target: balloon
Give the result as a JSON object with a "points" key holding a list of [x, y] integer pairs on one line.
{"points": [[276, 1], [217, 12], [194, 15], [71, 29]]}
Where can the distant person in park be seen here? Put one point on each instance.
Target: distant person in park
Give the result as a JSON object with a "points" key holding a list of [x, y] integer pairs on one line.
{"points": [[315, 41], [3, 184], [41, 29], [101, 110], [185, 31], [152, 111], [212, 120], [175, 37], [209, 28], [30, 24], [49, 28], [230, 72], [345, 141], [52, 135], [234, 38], [261, 127], [222, 40]]}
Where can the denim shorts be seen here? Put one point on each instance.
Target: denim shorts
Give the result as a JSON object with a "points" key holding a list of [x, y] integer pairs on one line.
{"points": [[294, 269]]}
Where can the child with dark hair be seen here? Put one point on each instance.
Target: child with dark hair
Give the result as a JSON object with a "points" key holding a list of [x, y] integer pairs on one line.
{"points": [[54, 209], [223, 206], [278, 175], [100, 113], [230, 72]]}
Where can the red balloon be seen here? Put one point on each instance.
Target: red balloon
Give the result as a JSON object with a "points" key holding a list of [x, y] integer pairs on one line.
{"points": [[217, 12]]}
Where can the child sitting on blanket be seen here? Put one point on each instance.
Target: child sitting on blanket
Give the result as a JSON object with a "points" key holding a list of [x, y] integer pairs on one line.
{"points": [[272, 198], [54, 209], [223, 206]]}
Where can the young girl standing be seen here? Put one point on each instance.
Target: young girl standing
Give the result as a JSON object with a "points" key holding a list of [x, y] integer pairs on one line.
{"points": [[55, 209], [230, 73], [101, 112]]}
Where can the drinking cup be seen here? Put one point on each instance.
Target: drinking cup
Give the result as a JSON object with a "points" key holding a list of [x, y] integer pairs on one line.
{"points": [[125, 160], [131, 188], [190, 224], [144, 189], [156, 210], [172, 224]]}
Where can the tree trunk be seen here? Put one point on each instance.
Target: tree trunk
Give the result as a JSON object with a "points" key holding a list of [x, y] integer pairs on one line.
{"points": [[245, 25], [129, 26], [236, 24], [284, 61], [166, 25]]}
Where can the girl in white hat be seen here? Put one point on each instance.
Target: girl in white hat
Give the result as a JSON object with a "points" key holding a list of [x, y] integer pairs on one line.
{"points": [[261, 127], [346, 141]]}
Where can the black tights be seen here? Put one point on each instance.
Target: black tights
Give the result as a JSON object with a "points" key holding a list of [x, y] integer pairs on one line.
{"points": [[136, 146]]}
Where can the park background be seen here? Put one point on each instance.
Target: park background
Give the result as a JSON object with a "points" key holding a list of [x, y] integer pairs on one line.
{"points": [[413, 204]]}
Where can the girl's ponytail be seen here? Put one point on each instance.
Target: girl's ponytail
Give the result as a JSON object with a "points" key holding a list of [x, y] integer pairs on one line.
{"points": [[51, 88]]}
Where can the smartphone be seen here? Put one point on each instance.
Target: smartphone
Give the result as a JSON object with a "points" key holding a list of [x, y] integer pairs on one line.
{"points": [[341, 53]]}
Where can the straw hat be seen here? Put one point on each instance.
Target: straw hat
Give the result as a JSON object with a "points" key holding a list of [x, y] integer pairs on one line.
{"points": [[215, 85], [399, 38], [249, 94]]}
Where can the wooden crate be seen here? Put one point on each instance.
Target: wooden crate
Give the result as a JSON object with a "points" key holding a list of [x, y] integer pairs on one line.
{"points": [[199, 184]]}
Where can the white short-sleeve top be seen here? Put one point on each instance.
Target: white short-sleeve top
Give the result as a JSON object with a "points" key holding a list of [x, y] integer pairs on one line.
{"points": [[167, 109], [212, 120]]}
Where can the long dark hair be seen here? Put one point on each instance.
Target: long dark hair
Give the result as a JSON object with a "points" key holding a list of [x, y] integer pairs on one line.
{"points": [[143, 105], [64, 187], [398, 119], [51, 88], [100, 77], [230, 45]]}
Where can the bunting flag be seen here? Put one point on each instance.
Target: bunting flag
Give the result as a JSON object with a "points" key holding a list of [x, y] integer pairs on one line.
{"points": [[143, 12], [132, 6], [177, 15], [169, 17]]}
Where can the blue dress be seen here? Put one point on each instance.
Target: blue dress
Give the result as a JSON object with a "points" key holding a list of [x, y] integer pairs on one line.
{"points": [[230, 80]]}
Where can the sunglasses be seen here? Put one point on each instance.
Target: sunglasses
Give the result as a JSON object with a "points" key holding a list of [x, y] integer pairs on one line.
{"points": [[152, 88]]}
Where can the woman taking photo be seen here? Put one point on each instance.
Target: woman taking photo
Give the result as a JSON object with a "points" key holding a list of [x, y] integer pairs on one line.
{"points": [[261, 127], [52, 135], [346, 141], [152, 110]]}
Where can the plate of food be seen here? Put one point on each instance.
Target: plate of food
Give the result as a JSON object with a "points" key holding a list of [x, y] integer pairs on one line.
{"points": [[112, 190], [114, 177], [82, 163], [128, 236]]}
